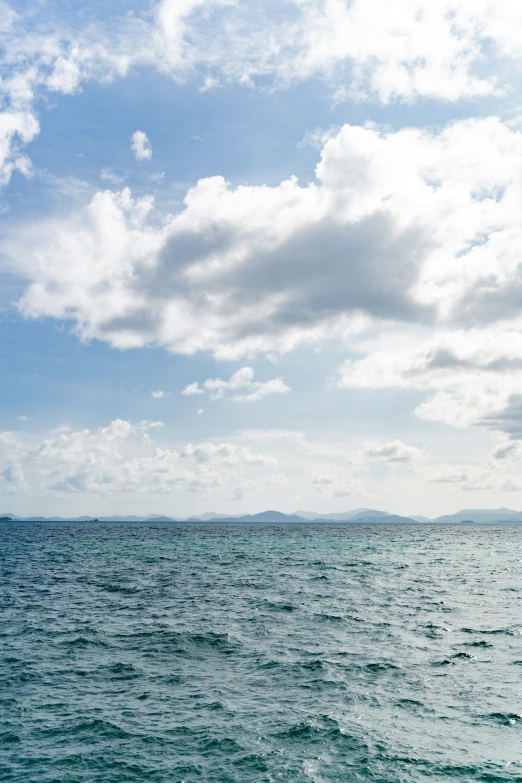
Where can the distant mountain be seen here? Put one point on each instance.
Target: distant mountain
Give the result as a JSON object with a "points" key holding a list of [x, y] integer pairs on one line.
{"points": [[369, 513], [483, 515], [341, 516], [385, 519], [355, 516], [263, 516]]}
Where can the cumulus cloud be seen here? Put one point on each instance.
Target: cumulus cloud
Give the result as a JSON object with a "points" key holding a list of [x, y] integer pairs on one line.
{"points": [[443, 49], [451, 474], [226, 453], [327, 479], [412, 226], [240, 388], [122, 457], [512, 485], [158, 394], [141, 146], [474, 377], [394, 451], [192, 389]]}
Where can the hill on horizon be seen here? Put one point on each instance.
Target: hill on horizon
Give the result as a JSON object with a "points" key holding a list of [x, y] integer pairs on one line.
{"points": [[272, 515]]}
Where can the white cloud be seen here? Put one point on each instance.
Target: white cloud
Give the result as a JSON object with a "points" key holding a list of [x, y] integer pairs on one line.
{"points": [[512, 450], [107, 175], [158, 394], [442, 49], [451, 474], [192, 389], [140, 145], [279, 479], [240, 388], [409, 226], [122, 458], [512, 485], [394, 451], [227, 453], [474, 375]]}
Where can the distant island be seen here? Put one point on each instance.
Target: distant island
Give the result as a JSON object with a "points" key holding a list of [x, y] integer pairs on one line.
{"points": [[359, 516]]}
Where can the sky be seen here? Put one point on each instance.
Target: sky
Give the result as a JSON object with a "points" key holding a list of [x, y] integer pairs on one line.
{"points": [[260, 255]]}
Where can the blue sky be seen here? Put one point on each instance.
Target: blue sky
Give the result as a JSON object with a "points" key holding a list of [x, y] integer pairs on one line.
{"points": [[304, 293]]}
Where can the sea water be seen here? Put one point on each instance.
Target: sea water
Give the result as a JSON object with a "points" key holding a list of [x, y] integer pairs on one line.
{"points": [[210, 652]]}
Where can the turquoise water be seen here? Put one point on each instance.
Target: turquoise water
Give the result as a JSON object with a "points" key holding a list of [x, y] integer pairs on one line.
{"points": [[173, 652]]}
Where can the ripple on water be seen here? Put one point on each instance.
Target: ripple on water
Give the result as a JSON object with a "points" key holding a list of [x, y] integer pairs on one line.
{"points": [[259, 654]]}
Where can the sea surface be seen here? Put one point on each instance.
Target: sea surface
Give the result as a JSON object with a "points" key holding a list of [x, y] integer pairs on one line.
{"points": [[206, 652]]}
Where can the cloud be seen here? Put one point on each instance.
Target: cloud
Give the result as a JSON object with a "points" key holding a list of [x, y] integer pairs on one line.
{"points": [[451, 474], [444, 49], [123, 458], [395, 451], [240, 388], [140, 145], [447, 50], [192, 389], [109, 176], [474, 375], [413, 226], [157, 394], [225, 452], [512, 485], [279, 479], [512, 450]]}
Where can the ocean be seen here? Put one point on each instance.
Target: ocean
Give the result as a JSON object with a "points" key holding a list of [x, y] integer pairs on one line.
{"points": [[183, 653]]}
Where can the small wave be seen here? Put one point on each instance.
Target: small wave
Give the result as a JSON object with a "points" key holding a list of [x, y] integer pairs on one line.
{"points": [[279, 606], [181, 642], [313, 666], [225, 745], [463, 656], [506, 718], [126, 589], [318, 729], [336, 618], [382, 667], [410, 703], [95, 728], [492, 632], [9, 737], [83, 641], [120, 671]]}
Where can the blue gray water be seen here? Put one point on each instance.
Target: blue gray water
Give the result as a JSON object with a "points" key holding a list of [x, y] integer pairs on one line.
{"points": [[175, 652]]}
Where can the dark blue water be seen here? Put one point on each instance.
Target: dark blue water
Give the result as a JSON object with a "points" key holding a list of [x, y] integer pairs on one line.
{"points": [[172, 652]]}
